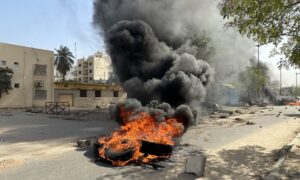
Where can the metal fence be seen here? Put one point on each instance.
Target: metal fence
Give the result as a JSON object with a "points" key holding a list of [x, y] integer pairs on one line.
{"points": [[57, 107]]}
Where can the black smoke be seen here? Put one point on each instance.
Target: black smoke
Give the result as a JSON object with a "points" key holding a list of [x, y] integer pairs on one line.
{"points": [[151, 70]]}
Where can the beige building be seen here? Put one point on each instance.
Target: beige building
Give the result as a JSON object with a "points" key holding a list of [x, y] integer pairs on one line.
{"points": [[88, 95], [94, 68], [32, 81]]}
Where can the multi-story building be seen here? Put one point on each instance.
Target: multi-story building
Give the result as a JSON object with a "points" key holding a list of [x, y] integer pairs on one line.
{"points": [[32, 81], [94, 68]]}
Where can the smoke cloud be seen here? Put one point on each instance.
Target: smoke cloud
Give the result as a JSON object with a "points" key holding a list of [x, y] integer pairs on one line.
{"points": [[152, 53]]}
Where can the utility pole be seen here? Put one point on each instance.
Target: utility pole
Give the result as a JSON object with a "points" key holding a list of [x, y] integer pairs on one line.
{"points": [[75, 69], [297, 84], [280, 87], [258, 45]]}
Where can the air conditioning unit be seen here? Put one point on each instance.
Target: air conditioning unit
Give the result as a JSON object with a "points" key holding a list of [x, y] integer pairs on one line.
{"points": [[39, 84]]}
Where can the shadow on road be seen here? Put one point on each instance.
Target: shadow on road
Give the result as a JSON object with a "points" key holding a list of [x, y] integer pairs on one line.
{"points": [[249, 162]]}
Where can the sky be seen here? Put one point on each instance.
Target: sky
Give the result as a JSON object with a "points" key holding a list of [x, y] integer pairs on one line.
{"points": [[48, 24]]}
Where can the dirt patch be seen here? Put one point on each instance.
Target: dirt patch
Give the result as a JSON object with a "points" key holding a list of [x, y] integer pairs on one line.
{"points": [[9, 163]]}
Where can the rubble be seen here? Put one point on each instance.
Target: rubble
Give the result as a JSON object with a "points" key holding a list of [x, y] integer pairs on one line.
{"points": [[83, 143], [224, 116], [239, 119], [196, 165], [238, 111], [250, 123]]}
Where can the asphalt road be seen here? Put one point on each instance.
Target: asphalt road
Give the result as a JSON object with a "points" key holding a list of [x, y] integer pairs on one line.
{"points": [[235, 150]]}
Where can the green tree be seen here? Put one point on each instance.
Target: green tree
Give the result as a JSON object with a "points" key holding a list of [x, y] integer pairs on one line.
{"points": [[273, 21], [64, 60], [252, 80], [5, 80]]}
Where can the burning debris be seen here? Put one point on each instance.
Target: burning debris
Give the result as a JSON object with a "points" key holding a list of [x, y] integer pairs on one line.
{"points": [[155, 69], [146, 134]]}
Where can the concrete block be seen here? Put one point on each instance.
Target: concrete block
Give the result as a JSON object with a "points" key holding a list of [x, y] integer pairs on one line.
{"points": [[196, 165]]}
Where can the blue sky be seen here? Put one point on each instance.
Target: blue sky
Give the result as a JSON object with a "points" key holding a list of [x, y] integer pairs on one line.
{"points": [[47, 24]]}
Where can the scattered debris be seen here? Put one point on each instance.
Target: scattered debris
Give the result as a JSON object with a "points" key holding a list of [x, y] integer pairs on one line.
{"points": [[238, 119], [229, 112], [186, 145], [224, 116], [238, 111], [83, 143], [252, 112], [196, 165], [250, 123]]}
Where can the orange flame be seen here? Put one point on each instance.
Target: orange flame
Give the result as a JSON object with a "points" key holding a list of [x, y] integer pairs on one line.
{"points": [[135, 128], [296, 103]]}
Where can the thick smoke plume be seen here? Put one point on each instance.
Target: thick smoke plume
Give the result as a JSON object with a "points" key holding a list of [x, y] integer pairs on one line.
{"points": [[146, 62], [152, 53]]}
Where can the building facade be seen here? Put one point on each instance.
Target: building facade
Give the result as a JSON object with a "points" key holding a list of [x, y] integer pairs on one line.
{"points": [[88, 95], [94, 68], [32, 81]]}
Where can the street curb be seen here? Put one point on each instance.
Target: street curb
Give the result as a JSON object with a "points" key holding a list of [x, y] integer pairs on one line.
{"points": [[288, 148]]}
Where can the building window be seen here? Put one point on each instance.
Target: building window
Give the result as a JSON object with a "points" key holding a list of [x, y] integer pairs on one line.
{"points": [[79, 79], [90, 64], [91, 79], [40, 94], [17, 85], [90, 71], [39, 84], [16, 65], [40, 70], [98, 93], [79, 72], [116, 93], [3, 63], [79, 65], [83, 93]]}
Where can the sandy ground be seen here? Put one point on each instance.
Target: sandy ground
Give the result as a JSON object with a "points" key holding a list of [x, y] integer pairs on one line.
{"points": [[38, 146]]}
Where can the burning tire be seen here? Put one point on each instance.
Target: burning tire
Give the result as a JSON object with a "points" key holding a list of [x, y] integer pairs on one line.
{"points": [[122, 151], [119, 156]]}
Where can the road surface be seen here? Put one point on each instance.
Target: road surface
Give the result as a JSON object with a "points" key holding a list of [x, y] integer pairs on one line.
{"points": [[38, 146]]}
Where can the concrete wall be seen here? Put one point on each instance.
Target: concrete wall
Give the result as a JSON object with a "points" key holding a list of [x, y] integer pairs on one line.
{"points": [[27, 58], [104, 101], [107, 94]]}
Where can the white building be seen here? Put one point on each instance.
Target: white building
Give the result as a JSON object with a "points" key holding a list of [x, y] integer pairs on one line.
{"points": [[95, 68]]}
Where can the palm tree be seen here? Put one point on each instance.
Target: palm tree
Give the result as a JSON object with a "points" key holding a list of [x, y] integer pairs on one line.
{"points": [[64, 60]]}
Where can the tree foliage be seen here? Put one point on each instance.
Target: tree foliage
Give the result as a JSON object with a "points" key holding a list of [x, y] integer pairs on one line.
{"points": [[64, 60], [253, 80], [5, 80], [273, 21]]}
